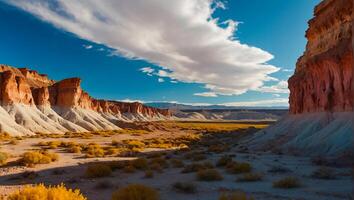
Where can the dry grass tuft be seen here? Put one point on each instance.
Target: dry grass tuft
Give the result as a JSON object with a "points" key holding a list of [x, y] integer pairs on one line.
{"points": [[98, 170], [209, 175], [238, 168], [136, 192], [287, 183]]}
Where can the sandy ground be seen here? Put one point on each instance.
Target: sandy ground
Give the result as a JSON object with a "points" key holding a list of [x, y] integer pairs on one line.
{"points": [[71, 167]]}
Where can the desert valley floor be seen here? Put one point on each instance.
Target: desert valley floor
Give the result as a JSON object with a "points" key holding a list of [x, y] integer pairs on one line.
{"points": [[181, 160]]}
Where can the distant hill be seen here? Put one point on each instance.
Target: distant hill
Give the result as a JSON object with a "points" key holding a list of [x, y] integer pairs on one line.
{"points": [[177, 106]]}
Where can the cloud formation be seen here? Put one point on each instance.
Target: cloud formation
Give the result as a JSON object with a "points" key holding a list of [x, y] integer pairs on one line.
{"points": [[206, 94], [280, 87], [180, 36]]}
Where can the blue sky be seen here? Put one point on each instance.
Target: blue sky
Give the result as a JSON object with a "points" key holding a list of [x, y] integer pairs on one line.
{"points": [[175, 41]]}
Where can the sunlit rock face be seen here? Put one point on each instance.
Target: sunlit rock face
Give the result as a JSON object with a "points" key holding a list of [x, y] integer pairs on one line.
{"points": [[31, 102], [323, 79], [321, 119]]}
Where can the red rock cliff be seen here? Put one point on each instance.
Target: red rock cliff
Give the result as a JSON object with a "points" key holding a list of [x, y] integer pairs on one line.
{"points": [[28, 87], [323, 79]]}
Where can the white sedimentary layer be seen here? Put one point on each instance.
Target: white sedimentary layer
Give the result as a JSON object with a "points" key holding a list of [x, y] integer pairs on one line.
{"points": [[312, 134], [19, 119]]}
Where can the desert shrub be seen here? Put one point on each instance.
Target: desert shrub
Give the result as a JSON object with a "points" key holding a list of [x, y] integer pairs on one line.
{"points": [[40, 192], [176, 163], [149, 174], [98, 170], [129, 169], [194, 167], [249, 177], [32, 158], [223, 161], [235, 196], [185, 187], [134, 144], [3, 158], [54, 144], [140, 163], [288, 182], [209, 175], [75, 149], [136, 192], [94, 151], [323, 173], [237, 168]]}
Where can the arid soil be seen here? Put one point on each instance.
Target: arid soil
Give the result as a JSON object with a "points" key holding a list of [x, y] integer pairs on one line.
{"points": [[214, 141]]}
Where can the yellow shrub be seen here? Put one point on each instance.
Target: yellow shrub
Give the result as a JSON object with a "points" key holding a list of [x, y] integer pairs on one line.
{"points": [[136, 192], [75, 149], [40, 192], [98, 170], [94, 151], [134, 144], [3, 158], [32, 158]]}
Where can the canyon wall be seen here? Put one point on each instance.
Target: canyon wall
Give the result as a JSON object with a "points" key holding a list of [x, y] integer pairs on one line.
{"points": [[321, 118], [323, 79], [37, 103]]}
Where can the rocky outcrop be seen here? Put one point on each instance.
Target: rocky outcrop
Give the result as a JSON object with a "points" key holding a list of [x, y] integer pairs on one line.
{"points": [[321, 119], [14, 89], [323, 79], [31, 102]]}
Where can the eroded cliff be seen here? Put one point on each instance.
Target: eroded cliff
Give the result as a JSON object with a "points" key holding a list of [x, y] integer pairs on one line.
{"points": [[323, 79], [31, 101]]}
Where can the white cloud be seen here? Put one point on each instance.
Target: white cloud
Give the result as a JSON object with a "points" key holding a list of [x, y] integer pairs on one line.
{"points": [[206, 94], [131, 100], [160, 80], [87, 46], [181, 36], [280, 87], [270, 102], [147, 70], [287, 70]]}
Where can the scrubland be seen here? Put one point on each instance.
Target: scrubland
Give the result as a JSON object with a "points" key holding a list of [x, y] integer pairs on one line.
{"points": [[167, 161]]}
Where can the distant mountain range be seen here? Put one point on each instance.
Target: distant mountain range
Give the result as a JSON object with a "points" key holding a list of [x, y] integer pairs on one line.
{"points": [[178, 106]]}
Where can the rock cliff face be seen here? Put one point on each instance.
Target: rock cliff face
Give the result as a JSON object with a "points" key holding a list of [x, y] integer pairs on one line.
{"points": [[32, 101], [323, 79], [321, 120]]}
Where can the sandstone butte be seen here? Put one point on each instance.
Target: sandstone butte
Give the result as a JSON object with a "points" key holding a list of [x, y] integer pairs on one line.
{"points": [[28, 87], [323, 79]]}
